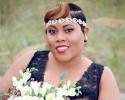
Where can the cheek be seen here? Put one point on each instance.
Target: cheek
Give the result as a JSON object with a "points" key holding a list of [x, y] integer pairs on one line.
{"points": [[77, 44], [78, 40], [50, 41]]}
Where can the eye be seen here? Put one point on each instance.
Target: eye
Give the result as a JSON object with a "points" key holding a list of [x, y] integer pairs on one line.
{"points": [[51, 31], [69, 30]]}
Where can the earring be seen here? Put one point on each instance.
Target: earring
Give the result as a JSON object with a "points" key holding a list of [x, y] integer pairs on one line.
{"points": [[86, 38]]}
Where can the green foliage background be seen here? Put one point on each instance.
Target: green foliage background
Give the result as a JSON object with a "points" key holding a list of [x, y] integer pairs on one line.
{"points": [[22, 27]]}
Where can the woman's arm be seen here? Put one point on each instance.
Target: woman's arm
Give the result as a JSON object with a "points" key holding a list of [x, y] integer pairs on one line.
{"points": [[19, 63], [108, 86]]}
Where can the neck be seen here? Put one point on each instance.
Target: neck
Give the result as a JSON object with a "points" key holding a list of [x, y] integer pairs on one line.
{"points": [[69, 67], [73, 63]]}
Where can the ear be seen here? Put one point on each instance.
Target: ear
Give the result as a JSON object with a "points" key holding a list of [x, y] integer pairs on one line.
{"points": [[85, 32]]}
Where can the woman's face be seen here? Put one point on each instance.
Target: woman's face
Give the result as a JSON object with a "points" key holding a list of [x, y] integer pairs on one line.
{"points": [[65, 40]]}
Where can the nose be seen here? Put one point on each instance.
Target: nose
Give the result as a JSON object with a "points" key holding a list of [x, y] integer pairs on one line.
{"points": [[61, 37]]}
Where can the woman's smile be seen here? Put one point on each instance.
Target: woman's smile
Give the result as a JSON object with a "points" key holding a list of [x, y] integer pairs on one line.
{"points": [[62, 49]]}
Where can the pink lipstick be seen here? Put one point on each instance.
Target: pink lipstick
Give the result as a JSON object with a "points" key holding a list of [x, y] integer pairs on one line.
{"points": [[61, 49]]}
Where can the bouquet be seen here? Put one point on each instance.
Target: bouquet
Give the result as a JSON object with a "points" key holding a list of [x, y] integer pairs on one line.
{"points": [[32, 90]]}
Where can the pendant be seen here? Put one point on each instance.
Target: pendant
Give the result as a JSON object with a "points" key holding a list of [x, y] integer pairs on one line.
{"points": [[63, 75]]}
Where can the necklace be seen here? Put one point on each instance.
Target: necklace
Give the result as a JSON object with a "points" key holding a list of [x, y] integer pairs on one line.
{"points": [[65, 73]]}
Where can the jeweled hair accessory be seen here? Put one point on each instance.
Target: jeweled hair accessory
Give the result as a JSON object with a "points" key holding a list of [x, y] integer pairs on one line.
{"points": [[68, 20]]}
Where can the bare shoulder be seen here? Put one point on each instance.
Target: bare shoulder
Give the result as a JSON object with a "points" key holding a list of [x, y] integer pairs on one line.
{"points": [[108, 76], [19, 63], [108, 86], [107, 73], [23, 58]]}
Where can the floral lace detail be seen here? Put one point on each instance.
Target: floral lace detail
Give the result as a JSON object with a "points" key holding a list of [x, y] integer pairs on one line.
{"points": [[89, 81], [38, 61]]}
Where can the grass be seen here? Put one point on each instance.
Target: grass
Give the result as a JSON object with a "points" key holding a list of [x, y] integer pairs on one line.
{"points": [[105, 44]]}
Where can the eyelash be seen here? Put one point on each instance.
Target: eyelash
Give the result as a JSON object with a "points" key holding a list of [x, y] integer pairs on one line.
{"points": [[53, 32], [69, 30]]}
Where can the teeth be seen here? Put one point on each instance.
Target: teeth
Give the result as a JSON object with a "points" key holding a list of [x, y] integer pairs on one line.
{"points": [[62, 48]]}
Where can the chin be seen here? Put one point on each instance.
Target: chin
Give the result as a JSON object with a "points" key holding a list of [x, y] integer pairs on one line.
{"points": [[63, 58]]}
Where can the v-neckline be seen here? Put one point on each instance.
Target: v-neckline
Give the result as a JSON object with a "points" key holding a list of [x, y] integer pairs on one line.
{"points": [[82, 75]]}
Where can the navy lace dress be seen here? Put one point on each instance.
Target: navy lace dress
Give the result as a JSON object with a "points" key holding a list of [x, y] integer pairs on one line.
{"points": [[89, 81]]}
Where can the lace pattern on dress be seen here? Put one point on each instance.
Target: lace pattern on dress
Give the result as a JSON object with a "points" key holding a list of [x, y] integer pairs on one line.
{"points": [[89, 81]]}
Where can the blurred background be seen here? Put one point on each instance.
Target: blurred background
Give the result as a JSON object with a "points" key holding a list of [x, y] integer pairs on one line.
{"points": [[22, 28]]}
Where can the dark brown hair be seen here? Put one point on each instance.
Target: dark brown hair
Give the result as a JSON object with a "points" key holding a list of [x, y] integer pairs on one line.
{"points": [[62, 10]]}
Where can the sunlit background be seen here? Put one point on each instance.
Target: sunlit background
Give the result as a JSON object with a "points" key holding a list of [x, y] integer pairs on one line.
{"points": [[22, 28]]}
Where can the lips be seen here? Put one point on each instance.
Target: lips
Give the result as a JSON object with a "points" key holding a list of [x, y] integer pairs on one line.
{"points": [[62, 49]]}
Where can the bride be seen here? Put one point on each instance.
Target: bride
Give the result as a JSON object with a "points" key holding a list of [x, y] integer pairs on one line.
{"points": [[66, 32]]}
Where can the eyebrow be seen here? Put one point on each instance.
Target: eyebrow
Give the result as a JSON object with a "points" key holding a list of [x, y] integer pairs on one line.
{"points": [[52, 26], [49, 27], [67, 25]]}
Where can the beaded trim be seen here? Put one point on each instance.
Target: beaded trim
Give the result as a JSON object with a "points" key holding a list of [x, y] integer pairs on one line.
{"points": [[68, 20]]}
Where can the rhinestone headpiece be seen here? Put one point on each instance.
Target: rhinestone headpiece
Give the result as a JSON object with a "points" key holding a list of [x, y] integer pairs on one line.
{"points": [[68, 20]]}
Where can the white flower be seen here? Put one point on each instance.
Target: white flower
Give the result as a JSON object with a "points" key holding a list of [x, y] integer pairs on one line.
{"points": [[68, 83], [15, 82], [42, 91], [51, 96], [11, 98], [47, 86], [59, 98], [25, 90], [67, 89], [27, 98], [71, 92], [25, 76], [35, 86], [61, 92], [23, 80], [34, 90]]}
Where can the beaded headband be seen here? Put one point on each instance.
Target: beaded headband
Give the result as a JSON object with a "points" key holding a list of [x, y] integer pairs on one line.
{"points": [[68, 20]]}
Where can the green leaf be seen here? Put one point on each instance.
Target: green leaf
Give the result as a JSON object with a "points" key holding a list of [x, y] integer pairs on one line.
{"points": [[33, 69], [33, 93]]}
